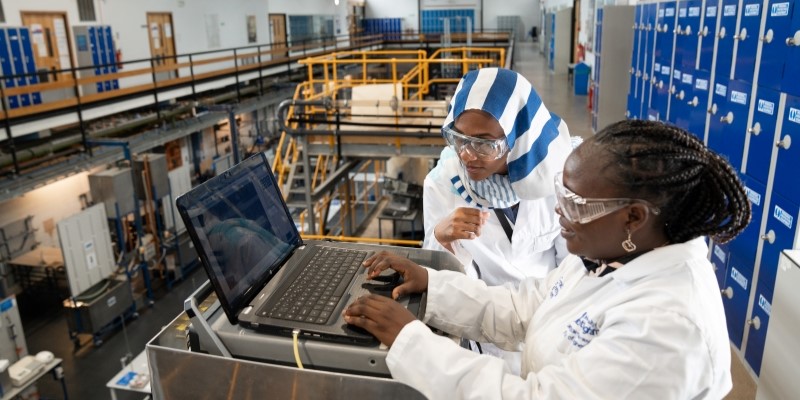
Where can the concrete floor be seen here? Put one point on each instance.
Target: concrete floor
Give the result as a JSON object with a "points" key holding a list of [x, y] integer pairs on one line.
{"points": [[88, 369]]}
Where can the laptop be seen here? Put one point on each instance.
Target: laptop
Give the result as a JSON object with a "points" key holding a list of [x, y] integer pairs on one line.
{"points": [[266, 277]]}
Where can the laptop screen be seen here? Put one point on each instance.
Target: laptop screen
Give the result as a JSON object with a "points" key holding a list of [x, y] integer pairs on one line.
{"points": [[244, 228]]}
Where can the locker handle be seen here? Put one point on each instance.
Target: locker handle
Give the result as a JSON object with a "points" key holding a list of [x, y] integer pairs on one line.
{"points": [[727, 118], [742, 35], [793, 40], [770, 236], [767, 38], [756, 129], [755, 322], [786, 142], [688, 30], [721, 33], [693, 102], [727, 292]]}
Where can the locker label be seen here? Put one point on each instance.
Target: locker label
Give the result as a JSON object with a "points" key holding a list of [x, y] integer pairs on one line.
{"points": [[738, 97], [711, 11], [687, 79], [658, 66], [664, 70], [701, 84], [670, 12], [661, 13], [783, 217], [729, 10], [752, 10], [682, 13], [766, 107], [739, 278], [694, 11], [720, 254], [794, 115], [676, 74], [779, 10], [753, 196], [721, 89], [764, 304]]}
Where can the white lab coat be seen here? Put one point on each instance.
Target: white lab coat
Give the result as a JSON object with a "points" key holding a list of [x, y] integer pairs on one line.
{"points": [[536, 245], [653, 329]]}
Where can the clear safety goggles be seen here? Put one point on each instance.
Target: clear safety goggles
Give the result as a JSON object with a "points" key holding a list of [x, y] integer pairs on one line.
{"points": [[484, 149], [580, 210]]}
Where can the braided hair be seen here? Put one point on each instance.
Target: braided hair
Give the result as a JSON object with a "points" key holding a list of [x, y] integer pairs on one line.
{"points": [[697, 191]]}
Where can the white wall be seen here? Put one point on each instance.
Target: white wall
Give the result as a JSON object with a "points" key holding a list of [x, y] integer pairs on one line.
{"points": [[405, 9], [528, 10]]}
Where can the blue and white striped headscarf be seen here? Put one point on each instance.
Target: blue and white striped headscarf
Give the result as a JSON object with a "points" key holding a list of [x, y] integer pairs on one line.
{"points": [[538, 140]]}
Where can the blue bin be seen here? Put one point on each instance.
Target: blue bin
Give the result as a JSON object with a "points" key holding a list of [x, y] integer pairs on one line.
{"points": [[580, 77]]}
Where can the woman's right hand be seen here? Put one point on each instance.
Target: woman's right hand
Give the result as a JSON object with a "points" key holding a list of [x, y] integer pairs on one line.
{"points": [[415, 278], [462, 223]]}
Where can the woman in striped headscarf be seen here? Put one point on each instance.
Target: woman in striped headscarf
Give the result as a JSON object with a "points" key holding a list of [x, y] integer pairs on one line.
{"points": [[490, 199]]}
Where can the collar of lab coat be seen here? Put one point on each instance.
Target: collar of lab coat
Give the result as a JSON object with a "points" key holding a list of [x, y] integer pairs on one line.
{"points": [[661, 259]]}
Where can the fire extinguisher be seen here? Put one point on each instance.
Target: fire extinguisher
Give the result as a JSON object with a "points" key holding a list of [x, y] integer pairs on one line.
{"points": [[118, 56]]}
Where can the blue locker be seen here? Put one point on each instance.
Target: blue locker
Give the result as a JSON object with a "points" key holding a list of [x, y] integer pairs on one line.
{"points": [[747, 40], [102, 55], [665, 40], [762, 134], [727, 30], [635, 71], [697, 103], [780, 230], [30, 63], [757, 326], [648, 34], [728, 136], [112, 55], [746, 244], [789, 83], [687, 33], [94, 46], [707, 35], [598, 39], [15, 43], [786, 181], [652, 114], [719, 258], [7, 68], [679, 107], [773, 49], [735, 297]]}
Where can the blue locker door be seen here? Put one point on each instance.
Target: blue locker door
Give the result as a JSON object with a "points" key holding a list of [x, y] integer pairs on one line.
{"points": [[7, 68], [679, 109], [747, 40], [780, 230], [719, 258], [111, 52], [18, 63], [757, 326], [735, 296], [648, 74], [790, 83], [727, 30], [717, 109], [698, 103], [762, 134], [773, 49], [728, 137], [95, 48], [102, 55], [30, 63], [688, 28], [788, 164], [665, 37], [746, 244], [707, 35]]}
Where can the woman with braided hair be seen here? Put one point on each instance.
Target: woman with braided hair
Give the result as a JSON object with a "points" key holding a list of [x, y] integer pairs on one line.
{"points": [[635, 312]]}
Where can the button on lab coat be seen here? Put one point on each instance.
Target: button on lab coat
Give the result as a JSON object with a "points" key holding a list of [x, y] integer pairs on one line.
{"points": [[653, 329]]}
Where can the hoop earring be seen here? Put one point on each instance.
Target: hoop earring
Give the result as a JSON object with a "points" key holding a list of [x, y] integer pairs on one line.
{"points": [[628, 244]]}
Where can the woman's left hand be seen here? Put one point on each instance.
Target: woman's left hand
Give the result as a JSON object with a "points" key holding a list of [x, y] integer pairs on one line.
{"points": [[379, 315]]}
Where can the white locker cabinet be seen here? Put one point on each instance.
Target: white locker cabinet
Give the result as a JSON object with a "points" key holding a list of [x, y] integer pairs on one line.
{"points": [[616, 38], [561, 41], [781, 359]]}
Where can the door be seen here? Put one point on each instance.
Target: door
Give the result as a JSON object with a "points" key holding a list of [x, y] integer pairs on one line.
{"points": [[50, 43], [162, 42], [277, 24]]}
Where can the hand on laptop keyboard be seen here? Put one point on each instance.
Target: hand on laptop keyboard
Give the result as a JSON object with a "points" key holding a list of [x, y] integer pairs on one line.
{"points": [[410, 277], [378, 315]]}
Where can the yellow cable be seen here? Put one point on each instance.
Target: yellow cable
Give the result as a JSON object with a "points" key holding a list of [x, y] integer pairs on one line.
{"points": [[296, 333]]}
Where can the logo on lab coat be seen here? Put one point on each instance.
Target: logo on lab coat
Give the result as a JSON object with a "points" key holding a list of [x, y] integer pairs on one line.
{"points": [[556, 288], [581, 331]]}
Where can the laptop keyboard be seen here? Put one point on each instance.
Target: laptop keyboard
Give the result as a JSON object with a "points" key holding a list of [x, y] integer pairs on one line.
{"points": [[315, 292]]}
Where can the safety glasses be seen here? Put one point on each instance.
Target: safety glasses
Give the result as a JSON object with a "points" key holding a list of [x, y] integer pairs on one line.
{"points": [[580, 210], [484, 149]]}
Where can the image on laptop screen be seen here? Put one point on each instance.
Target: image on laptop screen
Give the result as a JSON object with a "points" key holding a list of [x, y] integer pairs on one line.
{"points": [[246, 233]]}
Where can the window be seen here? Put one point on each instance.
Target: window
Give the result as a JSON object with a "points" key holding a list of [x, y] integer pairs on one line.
{"points": [[86, 10]]}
